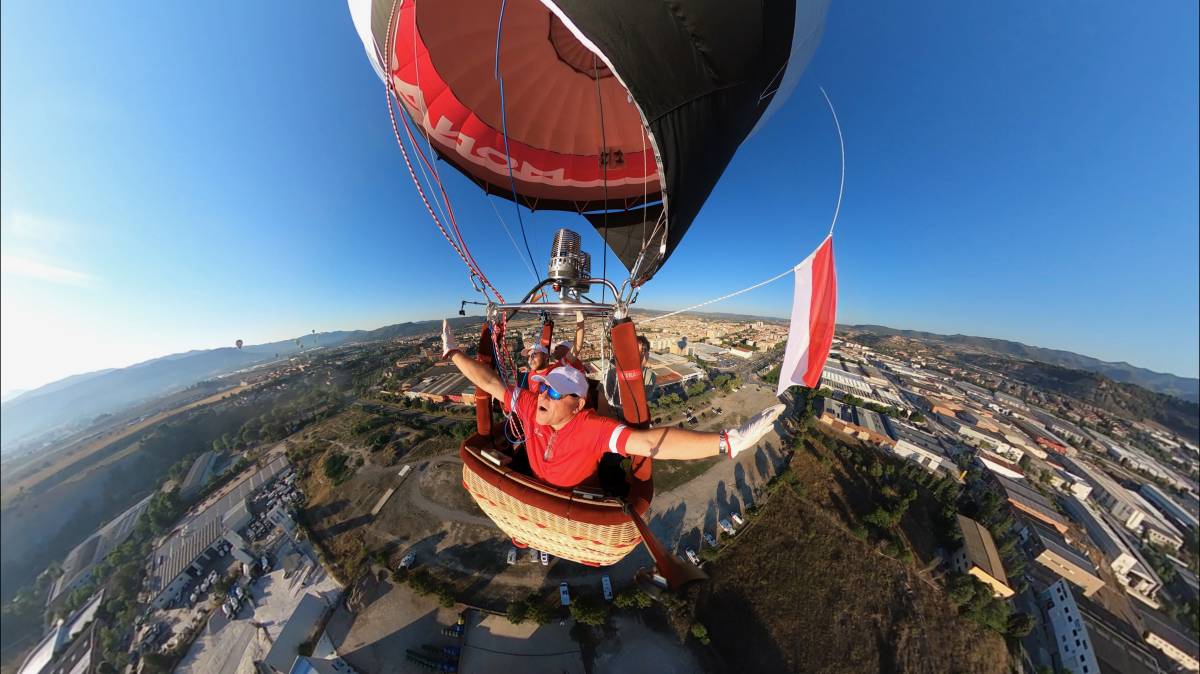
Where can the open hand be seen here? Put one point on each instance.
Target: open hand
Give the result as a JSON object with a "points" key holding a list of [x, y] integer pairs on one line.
{"points": [[448, 342], [748, 434]]}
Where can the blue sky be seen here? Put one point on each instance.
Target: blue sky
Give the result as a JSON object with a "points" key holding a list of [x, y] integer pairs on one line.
{"points": [[179, 176]]}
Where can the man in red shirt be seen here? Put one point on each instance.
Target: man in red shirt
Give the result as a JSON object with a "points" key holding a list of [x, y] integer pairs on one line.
{"points": [[564, 442]]}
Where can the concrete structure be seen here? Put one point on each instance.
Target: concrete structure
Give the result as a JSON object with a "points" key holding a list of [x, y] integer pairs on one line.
{"points": [[1161, 633], [299, 628], [999, 465], [1132, 570], [1112, 496], [77, 567], [1167, 506], [280, 517], [1155, 527], [42, 659], [923, 449], [845, 419], [177, 555], [444, 388], [237, 517], [1056, 554], [1071, 639], [978, 557], [1029, 501], [198, 475], [1074, 484], [1117, 646]]}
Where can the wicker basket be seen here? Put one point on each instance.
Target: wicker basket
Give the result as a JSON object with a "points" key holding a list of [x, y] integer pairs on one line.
{"points": [[592, 532]]}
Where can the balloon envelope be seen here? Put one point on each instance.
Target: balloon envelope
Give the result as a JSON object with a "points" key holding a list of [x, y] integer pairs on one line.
{"points": [[238, 343], [616, 110]]}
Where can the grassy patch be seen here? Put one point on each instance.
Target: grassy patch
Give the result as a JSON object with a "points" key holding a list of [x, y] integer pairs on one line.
{"points": [[797, 592], [671, 474]]}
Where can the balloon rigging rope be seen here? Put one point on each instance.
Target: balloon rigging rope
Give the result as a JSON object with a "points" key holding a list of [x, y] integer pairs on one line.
{"points": [[836, 211], [460, 247], [512, 183]]}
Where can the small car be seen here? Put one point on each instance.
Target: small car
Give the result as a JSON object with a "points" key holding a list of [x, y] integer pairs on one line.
{"points": [[564, 594], [710, 539], [545, 558], [692, 556], [512, 555], [737, 519], [606, 587], [407, 561], [727, 527]]}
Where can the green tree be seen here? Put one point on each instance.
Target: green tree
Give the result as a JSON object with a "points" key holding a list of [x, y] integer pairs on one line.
{"points": [[1020, 624], [701, 633], [632, 598], [589, 610], [518, 611]]}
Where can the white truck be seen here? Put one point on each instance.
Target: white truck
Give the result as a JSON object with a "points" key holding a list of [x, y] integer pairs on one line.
{"points": [[564, 594]]}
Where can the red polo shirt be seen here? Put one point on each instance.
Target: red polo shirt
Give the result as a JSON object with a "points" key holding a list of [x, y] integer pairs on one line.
{"points": [[570, 455]]}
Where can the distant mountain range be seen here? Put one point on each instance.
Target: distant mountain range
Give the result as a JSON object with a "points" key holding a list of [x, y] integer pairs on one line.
{"points": [[1181, 387], [86, 396]]}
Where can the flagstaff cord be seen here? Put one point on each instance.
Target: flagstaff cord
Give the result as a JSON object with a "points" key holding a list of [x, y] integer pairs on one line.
{"points": [[836, 210]]}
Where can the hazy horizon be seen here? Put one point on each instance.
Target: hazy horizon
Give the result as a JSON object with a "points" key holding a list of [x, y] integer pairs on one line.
{"points": [[9, 393]]}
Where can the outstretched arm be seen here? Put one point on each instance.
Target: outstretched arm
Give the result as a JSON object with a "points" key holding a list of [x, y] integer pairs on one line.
{"points": [[674, 443], [479, 374]]}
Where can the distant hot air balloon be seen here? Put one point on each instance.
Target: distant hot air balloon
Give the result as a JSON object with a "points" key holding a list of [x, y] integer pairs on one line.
{"points": [[238, 343]]}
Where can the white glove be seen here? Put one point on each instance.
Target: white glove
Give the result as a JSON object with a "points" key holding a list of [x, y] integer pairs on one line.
{"points": [[448, 342], [748, 434]]}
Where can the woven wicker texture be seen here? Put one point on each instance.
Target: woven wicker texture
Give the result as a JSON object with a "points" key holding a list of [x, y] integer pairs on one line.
{"points": [[559, 536]]}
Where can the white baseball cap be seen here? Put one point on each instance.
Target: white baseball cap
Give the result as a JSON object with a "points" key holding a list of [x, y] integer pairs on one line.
{"points": [[538, 348], [566, 380]]}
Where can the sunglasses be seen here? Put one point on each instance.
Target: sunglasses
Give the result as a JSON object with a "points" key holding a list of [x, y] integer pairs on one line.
{"points": [[555, 395]]}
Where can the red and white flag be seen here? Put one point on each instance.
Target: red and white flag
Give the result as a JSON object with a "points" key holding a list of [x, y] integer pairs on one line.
{"points": [[814, 310]]}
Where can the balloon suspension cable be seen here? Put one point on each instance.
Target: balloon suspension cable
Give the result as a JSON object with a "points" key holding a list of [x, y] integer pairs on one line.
{"points": [[836, 210], [504, 130], [507, 231], [424, 120], [603, 168], [460, 246], [842, 147]]}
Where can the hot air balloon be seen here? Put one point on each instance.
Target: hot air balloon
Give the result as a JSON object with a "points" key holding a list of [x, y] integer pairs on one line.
{"points": [[624, 111], [238, 344]]}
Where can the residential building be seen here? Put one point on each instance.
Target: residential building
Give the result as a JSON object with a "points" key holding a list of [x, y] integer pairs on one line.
{"points": [[978, 557], [42, 659], [1112, 496], [1169, 507], [1071, 639], [846, 419], [923, 449], [1055, 553], [1029, 501], [999, 465], [1133, 572], [1160, 632]]}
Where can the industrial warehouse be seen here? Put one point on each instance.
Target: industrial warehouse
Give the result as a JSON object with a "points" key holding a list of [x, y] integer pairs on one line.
{"points": [[197, 534]]}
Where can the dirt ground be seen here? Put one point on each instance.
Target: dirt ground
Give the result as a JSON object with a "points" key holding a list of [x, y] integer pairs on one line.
{"points": [[798, 593], [637, 647]]}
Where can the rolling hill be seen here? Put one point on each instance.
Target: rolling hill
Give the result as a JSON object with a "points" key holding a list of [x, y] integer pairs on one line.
{"points": [[1186, 388]]}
